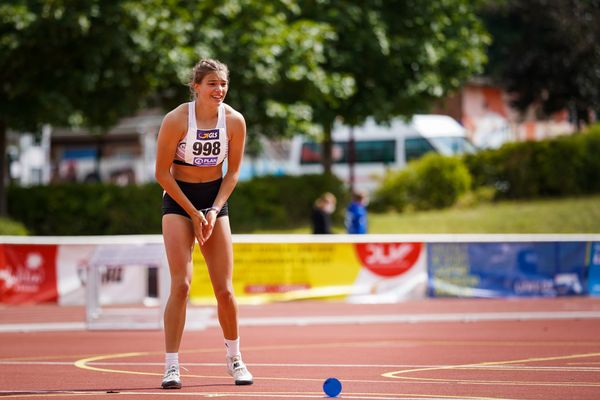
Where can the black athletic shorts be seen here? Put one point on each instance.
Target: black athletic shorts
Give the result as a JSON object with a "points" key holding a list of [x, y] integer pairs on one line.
{"points": [[202, 195]]}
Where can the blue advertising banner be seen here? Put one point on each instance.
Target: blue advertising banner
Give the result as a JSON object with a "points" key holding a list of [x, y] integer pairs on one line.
{"points": [[507, 269], [594, 271]]}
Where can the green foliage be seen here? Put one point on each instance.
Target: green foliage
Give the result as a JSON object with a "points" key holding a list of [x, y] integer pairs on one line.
{"points": [[547, 53], [275, 57], [86, 63], [431, 182], [588, 175], [563, 166], [397, 56], [82, 63], [439, 182], [392, 194], [295, 65], [98, 209], [281, 201], [91, 209], [12, 228]]}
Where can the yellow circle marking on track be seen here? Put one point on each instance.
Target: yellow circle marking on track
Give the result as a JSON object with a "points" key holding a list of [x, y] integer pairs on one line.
{"points": [[398, 374], [83, 363]]}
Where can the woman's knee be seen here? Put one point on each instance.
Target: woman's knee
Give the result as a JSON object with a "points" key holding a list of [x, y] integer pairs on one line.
{"points": [[180, 289], [225, 296]]}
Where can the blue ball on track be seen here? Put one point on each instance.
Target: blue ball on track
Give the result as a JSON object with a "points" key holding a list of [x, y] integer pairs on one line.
{"points": [[332, 387]]}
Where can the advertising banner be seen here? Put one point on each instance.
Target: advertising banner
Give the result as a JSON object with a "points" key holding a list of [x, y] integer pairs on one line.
{"points": [[27, 274], [360, 272], [506, 269], [268, 269], [594, 270]]}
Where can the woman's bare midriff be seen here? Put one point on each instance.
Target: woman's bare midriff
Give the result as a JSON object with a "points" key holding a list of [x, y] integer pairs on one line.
{"points": [[196, 174]]}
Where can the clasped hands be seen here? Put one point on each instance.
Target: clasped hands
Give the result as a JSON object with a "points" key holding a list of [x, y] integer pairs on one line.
{"points": [[204, 223]]}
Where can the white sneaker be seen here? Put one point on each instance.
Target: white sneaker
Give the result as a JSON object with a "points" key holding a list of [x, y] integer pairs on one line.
{"points": [[171, 379], [237, 369]]}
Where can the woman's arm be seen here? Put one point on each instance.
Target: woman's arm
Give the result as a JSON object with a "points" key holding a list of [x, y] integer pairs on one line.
{"points": [[173, 127]]}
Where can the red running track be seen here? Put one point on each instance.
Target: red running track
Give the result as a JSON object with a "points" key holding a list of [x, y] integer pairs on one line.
{"points": [[427, 349]]}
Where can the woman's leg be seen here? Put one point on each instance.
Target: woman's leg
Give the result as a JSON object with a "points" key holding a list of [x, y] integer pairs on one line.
{"points": [[218, 254], [178, 236]]}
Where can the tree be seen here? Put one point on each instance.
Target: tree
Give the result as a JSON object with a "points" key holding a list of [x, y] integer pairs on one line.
{"points": [[399, 56], [99, 61], [298, 65], [547, 53], [295, 65], [276, 60], [80, 63]]}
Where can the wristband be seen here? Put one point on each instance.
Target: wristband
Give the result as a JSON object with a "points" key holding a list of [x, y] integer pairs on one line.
{"points": [[207, 210]]}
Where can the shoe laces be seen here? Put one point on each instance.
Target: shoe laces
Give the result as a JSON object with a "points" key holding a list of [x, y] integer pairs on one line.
{"points": [[236, 363], [172, 371]]}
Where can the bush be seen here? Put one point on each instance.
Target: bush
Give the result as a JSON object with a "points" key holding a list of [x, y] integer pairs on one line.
{"points": [[438, 181], [101, 209], [431, 182], [563, 166], [282, 201], [9, 227], [392, 194], [87, 209], [590, 142]]}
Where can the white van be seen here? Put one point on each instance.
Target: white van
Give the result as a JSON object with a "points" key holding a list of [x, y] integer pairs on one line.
{"points": [[380, 147]]}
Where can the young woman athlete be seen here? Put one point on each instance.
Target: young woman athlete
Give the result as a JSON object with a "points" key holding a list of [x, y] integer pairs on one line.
{"points": [[194, 140]]}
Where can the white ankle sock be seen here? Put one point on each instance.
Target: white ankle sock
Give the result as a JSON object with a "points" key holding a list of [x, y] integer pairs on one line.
{"points": [[171, 359], [233, 347]]}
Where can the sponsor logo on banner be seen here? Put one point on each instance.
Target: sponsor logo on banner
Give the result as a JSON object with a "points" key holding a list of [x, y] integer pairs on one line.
{"points": [[212, 134], [205, 161], [28, 274], [388, 259]]}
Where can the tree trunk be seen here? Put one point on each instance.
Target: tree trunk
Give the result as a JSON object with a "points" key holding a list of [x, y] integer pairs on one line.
{"points": [[351, 158], [3, 169], [326, 155], [583, 118]]}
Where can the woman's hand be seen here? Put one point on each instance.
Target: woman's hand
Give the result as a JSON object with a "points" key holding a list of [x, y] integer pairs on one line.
{"points": [[211, 219], [199, 221]]}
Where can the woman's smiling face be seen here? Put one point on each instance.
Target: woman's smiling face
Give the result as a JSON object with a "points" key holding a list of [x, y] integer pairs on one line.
{"points": [[212, 88]]}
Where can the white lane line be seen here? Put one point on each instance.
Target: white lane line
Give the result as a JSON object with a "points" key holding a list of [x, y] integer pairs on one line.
{"points": [[344, 320], [329, 366]]}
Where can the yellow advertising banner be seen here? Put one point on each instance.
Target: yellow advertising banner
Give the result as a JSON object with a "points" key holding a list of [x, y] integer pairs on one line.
{"points": [[266, 272]]}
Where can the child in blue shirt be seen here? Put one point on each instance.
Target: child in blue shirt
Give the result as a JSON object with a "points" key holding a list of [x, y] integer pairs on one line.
{"points": [[356, 214]]}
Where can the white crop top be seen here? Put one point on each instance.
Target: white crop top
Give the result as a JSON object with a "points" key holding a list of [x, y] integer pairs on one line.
{"points": [[203, 147]]}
